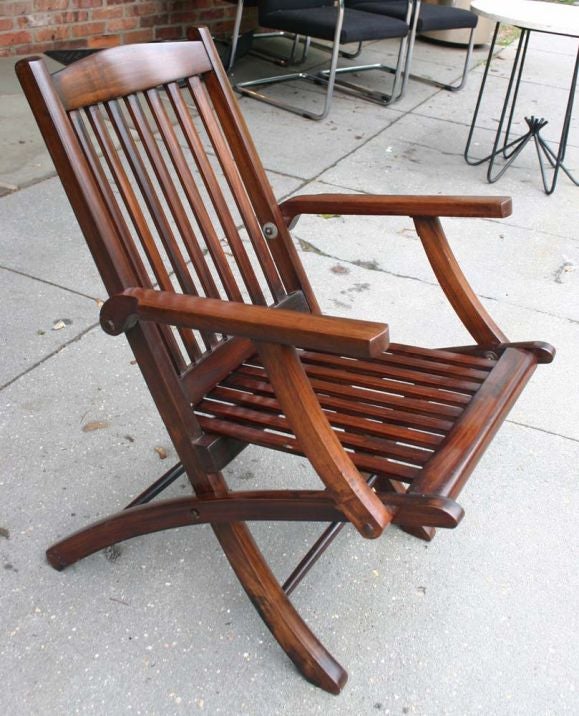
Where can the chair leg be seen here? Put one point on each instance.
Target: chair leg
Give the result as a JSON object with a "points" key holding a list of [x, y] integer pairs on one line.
{"points": [[235, 35], [245, 88], [329, 78], [271, 57], [424, 533], [296, 639], [310, 657], [435, 83]]}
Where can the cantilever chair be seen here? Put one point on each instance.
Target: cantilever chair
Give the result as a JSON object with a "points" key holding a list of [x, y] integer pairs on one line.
{"points": [[424, 17], [235, 36], [324, 20], [230, 339]]}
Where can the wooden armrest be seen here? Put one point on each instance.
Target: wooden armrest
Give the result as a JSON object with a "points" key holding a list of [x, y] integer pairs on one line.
{"points": [[495, 207], [272, 325]]}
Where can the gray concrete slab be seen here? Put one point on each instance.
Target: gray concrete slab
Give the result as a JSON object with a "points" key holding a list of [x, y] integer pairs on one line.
{"points": [[348, 127], [23, 156], [504, 262], [380, 294], [424, 155], [38, 319]]}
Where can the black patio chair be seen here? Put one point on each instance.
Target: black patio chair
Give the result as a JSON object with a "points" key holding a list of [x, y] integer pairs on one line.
{"points": [[423, 17], [323, 20], [261, 52]]}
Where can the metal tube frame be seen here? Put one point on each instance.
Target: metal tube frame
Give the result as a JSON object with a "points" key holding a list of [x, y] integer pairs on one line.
{"points": [[328, 77], [263, 54], [510, 149], [414, 11]]}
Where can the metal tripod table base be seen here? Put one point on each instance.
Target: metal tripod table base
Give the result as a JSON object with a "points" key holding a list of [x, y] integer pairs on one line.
{"points": [[509, 149]]}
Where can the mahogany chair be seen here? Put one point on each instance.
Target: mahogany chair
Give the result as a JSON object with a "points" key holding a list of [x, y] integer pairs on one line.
{"points": [[229, 336]]}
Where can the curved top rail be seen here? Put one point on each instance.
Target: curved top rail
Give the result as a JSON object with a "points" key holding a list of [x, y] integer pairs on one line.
{"points": [[123, 70]]}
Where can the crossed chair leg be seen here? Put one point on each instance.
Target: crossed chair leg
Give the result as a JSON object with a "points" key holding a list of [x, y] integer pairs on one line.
{"points": [[227, 515]]}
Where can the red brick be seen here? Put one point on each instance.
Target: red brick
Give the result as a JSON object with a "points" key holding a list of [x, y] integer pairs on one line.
{"points": [[213, 14], [138, 35], [40, 5], [103, 41], [154, 20], [88, 28], [122, 24], [188, 16], [86, 3], [168, 33], [52, 34], [119, 2], [9, 39], [106, 13], [5, 23], [145, 8], [12, 9]]}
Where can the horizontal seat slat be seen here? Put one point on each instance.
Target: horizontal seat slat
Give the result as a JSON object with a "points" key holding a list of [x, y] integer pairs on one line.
{"points": [[386, 385], [367, 395], [350, 423], [375, 444], [255, 436], [386, 370], [348, 406], [445, 356]]}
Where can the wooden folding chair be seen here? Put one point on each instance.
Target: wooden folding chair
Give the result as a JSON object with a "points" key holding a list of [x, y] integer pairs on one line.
{"points": [[227, 332]]}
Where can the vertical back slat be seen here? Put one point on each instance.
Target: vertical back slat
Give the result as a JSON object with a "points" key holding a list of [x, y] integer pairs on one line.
{"points": [[171, 196], [154, 206], [187, 182], [108, 197], [231, 173], [211, 182], [135, 213]]}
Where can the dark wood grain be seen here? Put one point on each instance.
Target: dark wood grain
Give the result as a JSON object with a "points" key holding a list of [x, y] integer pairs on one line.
{"points": [[206, 282], [363, 205], [359, 338]]}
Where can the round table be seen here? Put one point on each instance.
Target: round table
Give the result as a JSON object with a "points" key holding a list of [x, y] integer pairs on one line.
{"points": [[530, 16]]}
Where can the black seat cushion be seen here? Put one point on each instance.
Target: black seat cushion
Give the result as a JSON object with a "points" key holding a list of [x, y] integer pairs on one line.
{"points": [[432, 17], [320, 22]]}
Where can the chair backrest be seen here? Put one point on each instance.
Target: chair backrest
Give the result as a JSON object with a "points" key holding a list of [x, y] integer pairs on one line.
{"points": [[161, 174], [267, 6]]}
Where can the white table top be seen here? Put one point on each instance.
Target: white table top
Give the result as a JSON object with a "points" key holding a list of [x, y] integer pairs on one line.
{"points": [[531, 15]]}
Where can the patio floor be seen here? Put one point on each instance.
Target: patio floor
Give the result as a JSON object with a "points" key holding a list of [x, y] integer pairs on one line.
{"points": [[480, 621]]}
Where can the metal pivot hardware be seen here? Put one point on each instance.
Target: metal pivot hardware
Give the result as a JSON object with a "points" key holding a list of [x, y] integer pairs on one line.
{"points": [[270, 230]]}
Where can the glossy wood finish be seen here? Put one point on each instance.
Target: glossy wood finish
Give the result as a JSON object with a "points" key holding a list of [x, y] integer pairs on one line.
{"points": [[326, 333], [262, 505], [362, 205], [206, 282]]}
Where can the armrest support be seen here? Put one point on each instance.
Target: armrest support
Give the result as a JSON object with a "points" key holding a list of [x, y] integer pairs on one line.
{"points": [[272, 325], [495, 207]]}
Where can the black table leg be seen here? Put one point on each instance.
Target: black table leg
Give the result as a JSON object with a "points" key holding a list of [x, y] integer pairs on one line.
{"points": [[510, 149]]}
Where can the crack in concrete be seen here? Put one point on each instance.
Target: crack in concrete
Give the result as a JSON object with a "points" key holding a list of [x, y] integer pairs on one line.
{"points": [[307, 247], [50, 355], [542, 430], [50, 283]]}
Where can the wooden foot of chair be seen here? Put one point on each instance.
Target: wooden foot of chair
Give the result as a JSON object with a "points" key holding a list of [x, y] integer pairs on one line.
{"points": [[311, 658]]}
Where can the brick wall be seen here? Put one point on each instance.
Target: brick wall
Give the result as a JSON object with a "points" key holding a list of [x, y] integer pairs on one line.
{"points": [[28, 26]]}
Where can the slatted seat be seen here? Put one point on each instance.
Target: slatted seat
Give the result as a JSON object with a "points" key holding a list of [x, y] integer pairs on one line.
{"points": [[391, 413], [205, 282]]}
